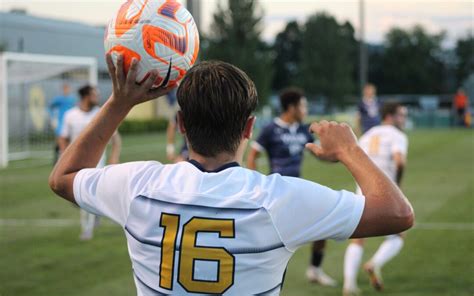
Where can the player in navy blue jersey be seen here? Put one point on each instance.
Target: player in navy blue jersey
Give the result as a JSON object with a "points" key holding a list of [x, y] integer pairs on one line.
{"points": [[369, 109], [284, 140]]}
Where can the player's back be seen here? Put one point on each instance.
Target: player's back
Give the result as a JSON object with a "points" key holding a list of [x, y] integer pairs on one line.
{"points": [[202, 242], [230, 231], [380, 142]]}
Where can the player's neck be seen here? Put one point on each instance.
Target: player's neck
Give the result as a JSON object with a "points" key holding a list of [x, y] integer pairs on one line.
{"points": [[85, 106], [287, 118], [213, 163]]}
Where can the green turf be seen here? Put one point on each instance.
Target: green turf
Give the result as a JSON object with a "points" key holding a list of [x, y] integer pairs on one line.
{"points": [[50, 260]]}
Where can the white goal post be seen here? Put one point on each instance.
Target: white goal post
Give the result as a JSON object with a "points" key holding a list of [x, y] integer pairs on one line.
{"points": [[27, 82]]}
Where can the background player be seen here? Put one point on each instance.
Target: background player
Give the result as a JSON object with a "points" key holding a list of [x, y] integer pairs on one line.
{"points": [[368, 109], [284, 140], [207, 225], [387, 146], [75, 120], [57, 108]]}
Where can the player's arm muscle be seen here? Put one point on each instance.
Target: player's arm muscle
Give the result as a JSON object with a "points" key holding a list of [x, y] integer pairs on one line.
{"points": [[87, 149], [386, 210]]}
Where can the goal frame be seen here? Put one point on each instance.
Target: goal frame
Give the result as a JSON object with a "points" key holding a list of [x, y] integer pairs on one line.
{"points": [[88, 62]]}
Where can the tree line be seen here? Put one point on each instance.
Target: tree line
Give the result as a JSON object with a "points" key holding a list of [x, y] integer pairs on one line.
{"points": [[322, 55]]}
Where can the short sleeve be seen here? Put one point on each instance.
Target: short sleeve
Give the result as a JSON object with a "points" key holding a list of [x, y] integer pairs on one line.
{"points": [[306, 212], [400, 144], [263, 140], [109, 191], [309, 135]]}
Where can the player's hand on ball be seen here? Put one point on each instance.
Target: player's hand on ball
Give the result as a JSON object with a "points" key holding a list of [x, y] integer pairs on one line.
{"points": [[126, 91], [336, 140]]}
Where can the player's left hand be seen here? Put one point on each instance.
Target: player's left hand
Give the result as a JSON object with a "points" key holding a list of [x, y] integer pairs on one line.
{"points": [[126, 91]]}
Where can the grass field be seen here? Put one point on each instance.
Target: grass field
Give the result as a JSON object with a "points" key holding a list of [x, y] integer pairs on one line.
{"points": [[40, 253]]}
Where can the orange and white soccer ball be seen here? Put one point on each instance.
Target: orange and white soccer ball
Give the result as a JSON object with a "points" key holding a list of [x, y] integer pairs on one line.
{"points": [[161, 34]]}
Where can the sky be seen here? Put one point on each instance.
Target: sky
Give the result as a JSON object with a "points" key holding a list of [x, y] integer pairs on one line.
{"points": [[455, 17]]}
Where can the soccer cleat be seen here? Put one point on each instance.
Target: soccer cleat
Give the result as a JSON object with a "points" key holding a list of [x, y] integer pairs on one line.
{"points": [[375, 276], [317, 275]]}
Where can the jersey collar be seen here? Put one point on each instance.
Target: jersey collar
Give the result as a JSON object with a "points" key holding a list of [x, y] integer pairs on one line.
{"points": [[292, 127], [278, 121], [219, 169]]}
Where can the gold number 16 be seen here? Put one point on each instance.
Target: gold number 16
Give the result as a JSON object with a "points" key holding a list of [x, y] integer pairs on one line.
{"points": [[190, 253]]}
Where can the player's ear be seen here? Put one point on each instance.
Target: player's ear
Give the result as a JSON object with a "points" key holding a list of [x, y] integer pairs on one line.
{"points": [[179, 121], [249, 127]]}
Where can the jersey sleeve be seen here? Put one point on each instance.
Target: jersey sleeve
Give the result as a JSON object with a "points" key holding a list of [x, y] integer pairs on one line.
{"points": [[400, 144], [263, 140], [109, 191], [306, 212], [309, 135]]}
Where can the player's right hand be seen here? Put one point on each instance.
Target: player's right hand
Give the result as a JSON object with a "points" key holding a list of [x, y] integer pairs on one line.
{"points": [[336, 140], [125, 89]]}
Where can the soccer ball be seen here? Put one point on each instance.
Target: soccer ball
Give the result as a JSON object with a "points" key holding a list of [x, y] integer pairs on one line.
{"points": [[161, 34]]}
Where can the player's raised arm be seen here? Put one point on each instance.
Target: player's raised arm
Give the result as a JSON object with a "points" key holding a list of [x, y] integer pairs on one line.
{"points": [[387, 210], [86, 151]]}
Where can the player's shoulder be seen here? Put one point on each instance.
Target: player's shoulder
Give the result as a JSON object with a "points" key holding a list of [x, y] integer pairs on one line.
{"points": [[271, 125], [74, 111]]}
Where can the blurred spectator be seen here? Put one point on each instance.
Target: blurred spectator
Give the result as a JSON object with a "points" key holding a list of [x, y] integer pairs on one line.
{"points": [[369, 109], [461, 103], [56, 109]]}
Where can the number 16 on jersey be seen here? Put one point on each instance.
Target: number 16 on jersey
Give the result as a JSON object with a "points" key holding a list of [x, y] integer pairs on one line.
{"points": [[189, 253]]}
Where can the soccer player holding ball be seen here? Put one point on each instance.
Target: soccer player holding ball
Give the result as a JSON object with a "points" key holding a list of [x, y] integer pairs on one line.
{"points": [[208, 225]]}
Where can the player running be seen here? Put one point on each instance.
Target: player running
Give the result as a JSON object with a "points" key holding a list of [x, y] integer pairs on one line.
{"points": [[208, 225], [284, 141], [387, 146], [75, 120]]}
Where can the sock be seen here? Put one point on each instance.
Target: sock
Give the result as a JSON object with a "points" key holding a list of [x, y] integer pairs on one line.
{"points": [[87, 222], [352, 260], [387, 250], [317, 258]]}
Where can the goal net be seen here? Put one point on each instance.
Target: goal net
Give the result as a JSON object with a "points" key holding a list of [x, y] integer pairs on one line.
{"points": [[28, 84]]}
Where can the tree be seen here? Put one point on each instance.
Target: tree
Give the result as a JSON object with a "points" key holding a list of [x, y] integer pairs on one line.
{"points": [[327, 58], [235, 38], [412, 62], [465, 55], [287, 50]]}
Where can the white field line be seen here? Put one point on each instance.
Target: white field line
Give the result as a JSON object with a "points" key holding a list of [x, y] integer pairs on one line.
{"points": [[105, 222], [48, 222], [47, 160]]}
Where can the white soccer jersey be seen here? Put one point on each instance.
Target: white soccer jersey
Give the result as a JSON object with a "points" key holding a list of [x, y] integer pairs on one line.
{"points": [[380, 143], [231, 231], [75, 121]]}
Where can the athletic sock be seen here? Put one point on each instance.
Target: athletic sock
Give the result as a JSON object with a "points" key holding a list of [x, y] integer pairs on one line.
{"points": [[352, 260], [317, 258], [387, 250]]}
